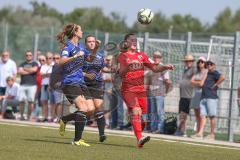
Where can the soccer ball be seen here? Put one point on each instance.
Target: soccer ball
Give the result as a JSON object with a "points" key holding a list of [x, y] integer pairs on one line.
{"points": [[145, 16]]}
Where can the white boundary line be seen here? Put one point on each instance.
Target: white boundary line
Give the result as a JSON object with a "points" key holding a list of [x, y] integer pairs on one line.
{"points": [[124, 135]]}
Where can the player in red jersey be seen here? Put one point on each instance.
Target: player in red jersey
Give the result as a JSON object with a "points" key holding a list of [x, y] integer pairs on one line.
{"points": [[131, 68]]}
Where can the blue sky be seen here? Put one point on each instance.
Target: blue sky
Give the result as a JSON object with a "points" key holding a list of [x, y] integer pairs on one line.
{"points": [[205, 10]]}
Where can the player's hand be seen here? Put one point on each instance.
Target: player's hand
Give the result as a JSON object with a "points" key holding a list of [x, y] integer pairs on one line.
{"points": [[97, 44], [90, 76], [169, 67], [79, 54]]}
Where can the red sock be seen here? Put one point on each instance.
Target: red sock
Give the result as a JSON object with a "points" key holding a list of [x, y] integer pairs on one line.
{"points": [[137, 126]]}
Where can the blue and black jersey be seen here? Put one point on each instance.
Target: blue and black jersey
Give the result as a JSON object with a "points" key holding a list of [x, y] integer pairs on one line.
{"points": [[95, 66], [72, 71]]}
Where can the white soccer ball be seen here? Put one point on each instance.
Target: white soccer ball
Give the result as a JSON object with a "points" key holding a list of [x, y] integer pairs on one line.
{"points": [[145, 16]]}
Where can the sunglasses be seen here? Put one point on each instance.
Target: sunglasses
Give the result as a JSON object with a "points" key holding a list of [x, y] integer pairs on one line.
{"points": [[210, 64], [56, 57], [200, 61], [41, 60]]}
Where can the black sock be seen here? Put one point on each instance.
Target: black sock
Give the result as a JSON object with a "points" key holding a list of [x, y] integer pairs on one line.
{"points": [[80, 122], [100, 122], [69, 117]]}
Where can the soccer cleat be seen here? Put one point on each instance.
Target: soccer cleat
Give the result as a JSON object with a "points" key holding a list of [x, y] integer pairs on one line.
{"points": [[142, 141], [80, 143], [102, 138], [62, 127]]}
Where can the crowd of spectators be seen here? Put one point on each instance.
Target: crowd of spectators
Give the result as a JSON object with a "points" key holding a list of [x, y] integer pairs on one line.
{"points": [[25, 93]]}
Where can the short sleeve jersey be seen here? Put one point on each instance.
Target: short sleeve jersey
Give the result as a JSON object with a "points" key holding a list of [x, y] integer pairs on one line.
{"points": [[133, 80], [207, 90], [72, 71], [29, 79], [95, 66]]}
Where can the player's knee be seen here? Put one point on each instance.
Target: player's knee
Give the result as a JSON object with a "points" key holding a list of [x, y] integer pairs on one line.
{"points": [[99, 115], [136, 111], [80, 116]]}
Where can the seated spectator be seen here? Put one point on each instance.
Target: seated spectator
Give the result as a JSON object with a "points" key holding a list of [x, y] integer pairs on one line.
{"points": [[10, 99]]}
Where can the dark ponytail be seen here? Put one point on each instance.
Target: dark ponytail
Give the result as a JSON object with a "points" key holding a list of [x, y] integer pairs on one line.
{"points": [[68, 31]]}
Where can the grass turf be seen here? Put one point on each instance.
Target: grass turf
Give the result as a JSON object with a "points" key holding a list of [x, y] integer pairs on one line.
{"points": [[23, 143]]}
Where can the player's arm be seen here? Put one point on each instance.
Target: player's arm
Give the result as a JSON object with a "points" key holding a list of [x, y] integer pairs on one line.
{"points": [[155, 68], [65, 58]]}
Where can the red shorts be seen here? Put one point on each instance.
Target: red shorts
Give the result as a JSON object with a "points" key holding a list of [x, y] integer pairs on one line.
{"points": [[136, 100]]}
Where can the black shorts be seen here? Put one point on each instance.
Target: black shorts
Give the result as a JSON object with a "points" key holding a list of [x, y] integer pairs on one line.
{"points": [[95, 89], [73, 91], [184, 105]]}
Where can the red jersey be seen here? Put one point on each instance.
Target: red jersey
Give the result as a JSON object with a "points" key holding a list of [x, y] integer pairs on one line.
{"points": [[133, 80]]}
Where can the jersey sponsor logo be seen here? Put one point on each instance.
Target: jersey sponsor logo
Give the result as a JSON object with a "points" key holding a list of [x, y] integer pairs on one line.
{"points": [[140, 57], [64, 53]]}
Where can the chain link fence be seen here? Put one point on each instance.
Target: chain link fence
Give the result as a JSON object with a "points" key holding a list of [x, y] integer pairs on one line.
{"points": [[223, 48]]}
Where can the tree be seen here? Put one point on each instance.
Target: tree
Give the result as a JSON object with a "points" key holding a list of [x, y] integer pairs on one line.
{"points": [[223, 22]]}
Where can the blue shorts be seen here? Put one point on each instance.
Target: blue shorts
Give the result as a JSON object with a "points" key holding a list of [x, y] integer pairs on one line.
{"points": [[208, 107]]}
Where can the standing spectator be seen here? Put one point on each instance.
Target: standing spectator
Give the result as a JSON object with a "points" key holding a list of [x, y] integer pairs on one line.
{"points": [[11, 97], [41, 62], [7, 68], [185, 94], [28, 83], [209, 100], [197, 81], [45, 72], [158, 85], [108, 87], [56, 97]]}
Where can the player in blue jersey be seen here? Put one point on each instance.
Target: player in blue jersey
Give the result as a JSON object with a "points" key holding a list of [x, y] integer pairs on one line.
{"points": [[73, 85], [94, 81]]}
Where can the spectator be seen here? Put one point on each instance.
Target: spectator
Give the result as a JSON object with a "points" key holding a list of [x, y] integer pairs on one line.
{"points": [[45, 72], [158, 85], [56, 97], [185, 94], [197, 82], [7, 68], [28, 83], [209, 100], [108, 87], [10, 98], [41, 61]]}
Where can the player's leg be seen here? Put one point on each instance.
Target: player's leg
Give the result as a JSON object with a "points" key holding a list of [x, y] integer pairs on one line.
{"points": [[142, 101], [135, 112], [96, 92]]}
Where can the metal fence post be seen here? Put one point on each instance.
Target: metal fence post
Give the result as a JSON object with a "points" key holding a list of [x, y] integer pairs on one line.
{"points": [[36, 39], [145, 42], [6, 37], [106, 38], [52, 38], [188, 43], [233, 82]]}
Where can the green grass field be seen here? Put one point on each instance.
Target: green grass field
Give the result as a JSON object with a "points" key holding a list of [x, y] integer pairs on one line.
{"points": [[35, 143]]}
